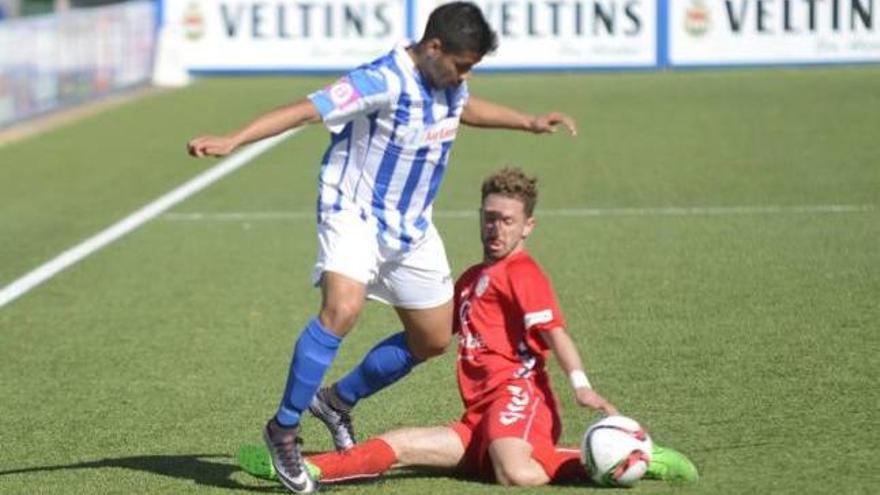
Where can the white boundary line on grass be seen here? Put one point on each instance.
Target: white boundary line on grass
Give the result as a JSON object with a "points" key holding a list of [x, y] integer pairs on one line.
{"points": [[157, 207], [563, 212]]}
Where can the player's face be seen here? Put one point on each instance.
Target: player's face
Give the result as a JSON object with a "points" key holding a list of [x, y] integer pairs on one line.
{"points": [[445, 70], [503, 226]]}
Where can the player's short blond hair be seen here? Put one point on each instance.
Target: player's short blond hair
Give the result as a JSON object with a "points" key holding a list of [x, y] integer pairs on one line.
{"points": [[512, 182]]}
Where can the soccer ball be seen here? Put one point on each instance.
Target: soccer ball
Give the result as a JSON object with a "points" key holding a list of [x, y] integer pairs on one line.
{"points": [[616, 451]]}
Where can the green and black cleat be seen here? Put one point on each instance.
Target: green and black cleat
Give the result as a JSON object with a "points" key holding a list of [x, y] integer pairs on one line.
{"points": [[254, 459], [671, 465]]}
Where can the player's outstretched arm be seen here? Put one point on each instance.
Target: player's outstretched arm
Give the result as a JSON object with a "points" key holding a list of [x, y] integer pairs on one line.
{"points": [[569, 359], [482, 113], [269, 124]]}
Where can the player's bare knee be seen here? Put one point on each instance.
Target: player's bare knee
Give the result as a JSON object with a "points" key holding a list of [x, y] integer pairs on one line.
{"points": [[340, 316], [430, 348]]}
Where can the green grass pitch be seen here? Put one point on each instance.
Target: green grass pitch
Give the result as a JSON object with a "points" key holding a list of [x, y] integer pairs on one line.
{"points": [[744, 333]]}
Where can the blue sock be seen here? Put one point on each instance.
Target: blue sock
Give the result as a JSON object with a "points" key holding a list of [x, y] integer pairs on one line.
{"points": [[314, 351], [386, 363]]}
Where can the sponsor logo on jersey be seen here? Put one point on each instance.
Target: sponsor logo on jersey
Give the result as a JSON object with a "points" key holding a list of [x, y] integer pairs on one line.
{"points": [[470, 341], [515, 408], [442, 131]]}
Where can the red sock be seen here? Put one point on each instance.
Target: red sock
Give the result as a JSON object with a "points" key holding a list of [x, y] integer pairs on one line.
{"points": [[364, 460]]}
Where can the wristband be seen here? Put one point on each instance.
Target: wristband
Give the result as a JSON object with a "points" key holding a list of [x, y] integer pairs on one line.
{"points": [[579, 379]]}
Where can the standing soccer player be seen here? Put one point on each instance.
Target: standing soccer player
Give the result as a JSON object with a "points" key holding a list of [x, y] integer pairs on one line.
{"points": [[392, 124], [508, 321]]}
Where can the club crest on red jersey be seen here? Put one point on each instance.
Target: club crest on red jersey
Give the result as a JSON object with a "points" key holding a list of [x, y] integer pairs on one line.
{"points": [[482, 284]]}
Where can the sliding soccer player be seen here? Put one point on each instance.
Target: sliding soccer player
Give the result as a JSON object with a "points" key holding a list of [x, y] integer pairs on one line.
{"points": [[508, 321]]}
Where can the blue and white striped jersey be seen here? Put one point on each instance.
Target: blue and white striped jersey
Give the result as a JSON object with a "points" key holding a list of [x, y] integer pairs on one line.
{"points": [[389, 147]]}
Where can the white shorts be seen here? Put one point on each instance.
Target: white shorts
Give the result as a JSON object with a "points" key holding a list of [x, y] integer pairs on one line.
{"points": [[415, 279]]}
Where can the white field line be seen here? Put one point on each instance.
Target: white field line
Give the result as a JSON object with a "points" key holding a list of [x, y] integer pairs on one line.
{"points": [[85, 248], [563, 212]]}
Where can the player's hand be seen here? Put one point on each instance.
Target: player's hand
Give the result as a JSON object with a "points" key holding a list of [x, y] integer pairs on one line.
{"points": [[210, 146], [588, 397], [547, 124]]}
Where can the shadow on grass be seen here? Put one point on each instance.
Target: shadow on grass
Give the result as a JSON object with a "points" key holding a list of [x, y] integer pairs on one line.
{"points": [[199, 468], [405, 473], [203, 470]]}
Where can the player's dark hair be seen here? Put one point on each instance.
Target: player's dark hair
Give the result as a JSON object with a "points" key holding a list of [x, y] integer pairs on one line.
{"points": [[512, 182], [460, 27]]}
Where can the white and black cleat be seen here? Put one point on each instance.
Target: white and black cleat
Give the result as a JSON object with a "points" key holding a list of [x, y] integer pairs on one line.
{"points": [[326, 407], [284, 447]]}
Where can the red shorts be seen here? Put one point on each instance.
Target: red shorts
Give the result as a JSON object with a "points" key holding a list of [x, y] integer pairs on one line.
{"points": [[517, 410]]}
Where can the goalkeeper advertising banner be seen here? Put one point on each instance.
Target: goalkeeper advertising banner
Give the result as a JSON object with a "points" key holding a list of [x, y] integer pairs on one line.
{"points": [[309, 35], [759, 32]]}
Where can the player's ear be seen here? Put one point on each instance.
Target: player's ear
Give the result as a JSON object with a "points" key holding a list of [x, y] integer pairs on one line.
{"points": [[530, 224], [433, 47]]}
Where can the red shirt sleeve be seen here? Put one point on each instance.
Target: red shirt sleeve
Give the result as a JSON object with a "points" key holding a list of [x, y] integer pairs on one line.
{"points": [[535, 297]]}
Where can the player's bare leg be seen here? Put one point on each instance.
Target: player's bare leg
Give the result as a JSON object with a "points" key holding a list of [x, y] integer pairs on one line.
{"points": [[428, 331], [437, 447], [432, 447], [513, 463], [342, 300]]}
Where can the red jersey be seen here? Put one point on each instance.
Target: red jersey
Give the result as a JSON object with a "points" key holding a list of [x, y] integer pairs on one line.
{"points": [[500, 311]]}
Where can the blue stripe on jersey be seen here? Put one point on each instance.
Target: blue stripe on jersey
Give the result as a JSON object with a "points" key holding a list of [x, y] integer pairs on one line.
{"points": [[427, 102], [421, 223], [368, 81], [322, 102], [392, 153], [452, 99], [372, 118], [412, 181], [436, 177], [383, 179]]}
